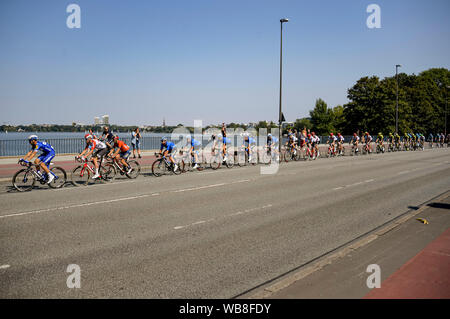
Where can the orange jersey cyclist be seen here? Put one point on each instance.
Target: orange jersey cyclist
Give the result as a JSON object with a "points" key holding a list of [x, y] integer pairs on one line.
{"points": [[121, 153]]}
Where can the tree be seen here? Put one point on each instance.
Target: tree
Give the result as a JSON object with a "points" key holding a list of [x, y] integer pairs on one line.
{"points": [[322, 118]]}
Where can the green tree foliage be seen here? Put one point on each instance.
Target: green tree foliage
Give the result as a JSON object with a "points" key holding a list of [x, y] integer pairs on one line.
{"points": [[322, 118]]}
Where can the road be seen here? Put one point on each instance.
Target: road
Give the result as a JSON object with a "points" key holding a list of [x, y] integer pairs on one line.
{"points": [[210, 234]]}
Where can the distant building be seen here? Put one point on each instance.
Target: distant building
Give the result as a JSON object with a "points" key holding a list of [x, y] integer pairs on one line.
{"points": [[96, 121], [105, 119], [164, 122]]}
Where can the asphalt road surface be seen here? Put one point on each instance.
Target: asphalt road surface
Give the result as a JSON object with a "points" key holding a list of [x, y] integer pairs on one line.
{"points": [[210, 234]]}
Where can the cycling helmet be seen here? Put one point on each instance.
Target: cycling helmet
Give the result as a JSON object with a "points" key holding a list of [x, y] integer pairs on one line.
{"points": [[87, 136], [32, 138], [331, 134], [115, 137], [354, 134], [269, 134], [309, 135], [163, 139]]}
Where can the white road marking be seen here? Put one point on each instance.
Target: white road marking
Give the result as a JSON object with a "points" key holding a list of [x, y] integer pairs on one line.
{"points": [[114, 200], [197, 188], [229, 215], [73, 206], [4, 266], [354, 184]]}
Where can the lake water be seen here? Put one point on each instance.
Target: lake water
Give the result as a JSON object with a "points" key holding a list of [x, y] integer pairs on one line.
{"points": [[62, 135]]}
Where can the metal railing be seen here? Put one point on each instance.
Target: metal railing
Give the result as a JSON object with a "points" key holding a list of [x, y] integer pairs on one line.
{"points": [[18, 147]]}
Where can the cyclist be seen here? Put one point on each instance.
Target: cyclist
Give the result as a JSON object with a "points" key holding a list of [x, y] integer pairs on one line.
{"points": [[193, 149], [406, 141], [391, 141], [332, 142], [248, 143], [272, 142], [95, 148], [291, 141], [368, 139], [431, 139], [442, 139], [122, 153], [108, 138], [355, 142], [315, 144], [340, 141], [214, 145], [44, 160], [225, 141], [379, 140], [167, 148], [397, 141], [309, 145]]}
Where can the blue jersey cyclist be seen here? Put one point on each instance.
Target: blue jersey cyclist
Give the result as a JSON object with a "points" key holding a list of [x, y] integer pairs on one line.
{"points": [[44, 160], [193, 149], [248, 142], [167, 149]]}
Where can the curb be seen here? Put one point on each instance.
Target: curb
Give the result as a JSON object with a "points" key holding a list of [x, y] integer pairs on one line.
{"points": [[289, 279]]}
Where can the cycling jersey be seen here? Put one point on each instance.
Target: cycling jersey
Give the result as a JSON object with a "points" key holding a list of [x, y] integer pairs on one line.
{"points": [[249, 141], [122, 146], [44, 147], [332, 139], [169, 146], [48, 153], [96, 145], [368, 139], [195, 143]]}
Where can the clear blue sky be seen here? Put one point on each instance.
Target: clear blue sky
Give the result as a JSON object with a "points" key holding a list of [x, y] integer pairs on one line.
{"points": [[214, 60]]}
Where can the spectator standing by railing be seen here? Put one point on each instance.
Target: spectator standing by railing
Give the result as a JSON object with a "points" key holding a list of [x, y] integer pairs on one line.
{"points": [[135, 141]]}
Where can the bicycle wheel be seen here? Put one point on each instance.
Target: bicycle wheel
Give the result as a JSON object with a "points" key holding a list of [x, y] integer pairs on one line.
{"points": [[80, 176], [24, 180], [215, 162], [230, 162], [266, 157], [286, 156], [60, 177], [107, 172], [185, 166], [242, 159], [135, 169], [159, 168], [176, 171]]}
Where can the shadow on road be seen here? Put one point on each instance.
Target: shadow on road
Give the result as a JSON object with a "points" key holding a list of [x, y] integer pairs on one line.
{"points": [[439, 205]]}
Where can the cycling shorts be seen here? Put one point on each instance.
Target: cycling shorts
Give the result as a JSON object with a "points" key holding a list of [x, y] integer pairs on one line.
{"points": [[125, 155], [46, 158]]}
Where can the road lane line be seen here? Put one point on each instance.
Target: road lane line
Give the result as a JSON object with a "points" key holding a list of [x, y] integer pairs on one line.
{"points": [[229, 215], [73, 206], [355, 184], [197, 188], [4, 266]]}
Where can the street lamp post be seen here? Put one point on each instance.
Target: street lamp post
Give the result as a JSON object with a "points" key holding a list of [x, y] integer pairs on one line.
{"points": [[396, 108], [281, 73], [446, 102]]}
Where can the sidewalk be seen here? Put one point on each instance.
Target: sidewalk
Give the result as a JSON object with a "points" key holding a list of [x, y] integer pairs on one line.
{"points": [[414, 259], [426, 276]]}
